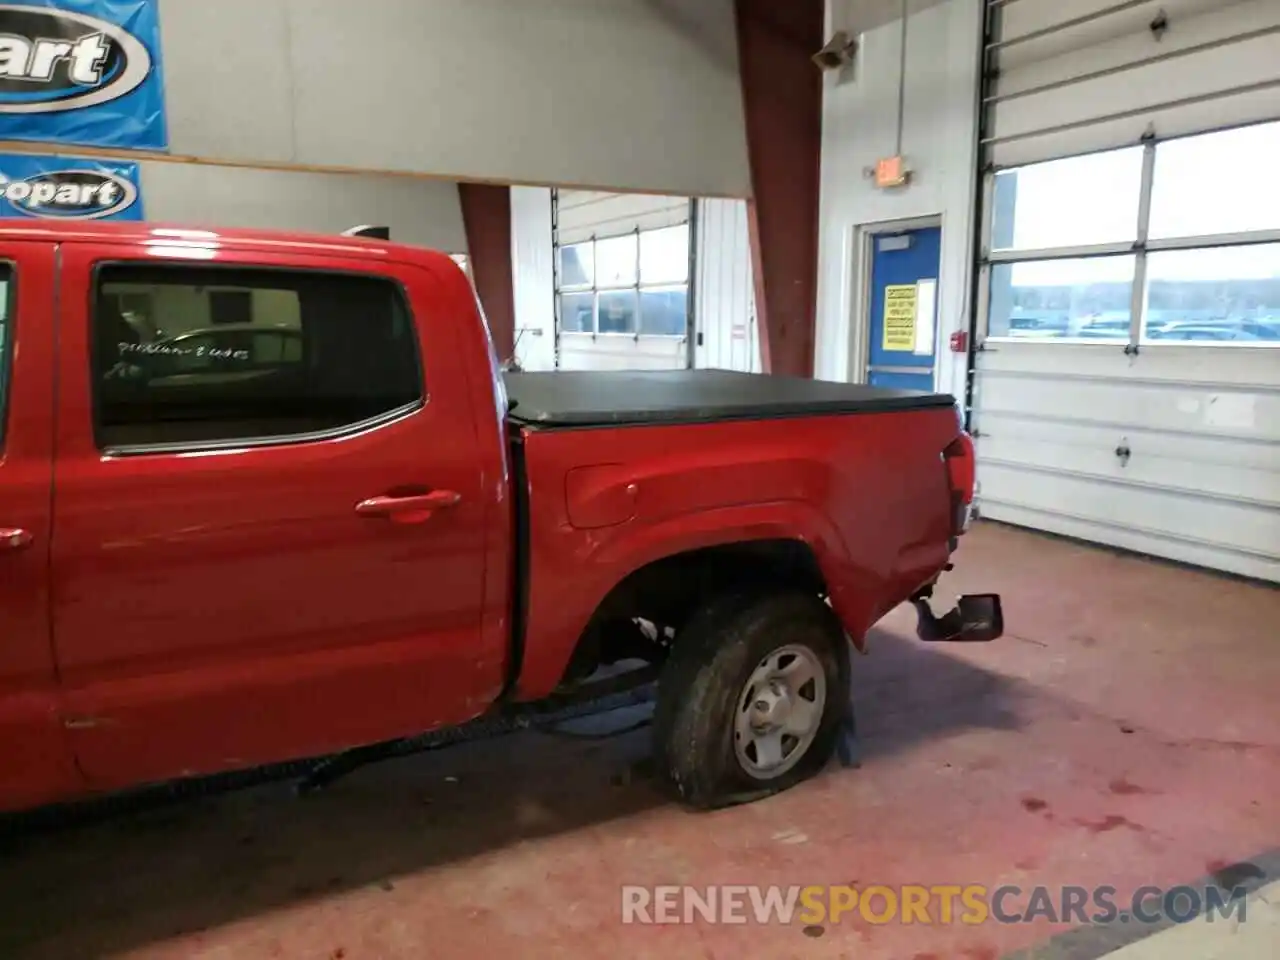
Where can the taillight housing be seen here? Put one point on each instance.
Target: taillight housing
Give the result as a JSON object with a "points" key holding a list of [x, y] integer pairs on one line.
{"points": [[961, 478]]}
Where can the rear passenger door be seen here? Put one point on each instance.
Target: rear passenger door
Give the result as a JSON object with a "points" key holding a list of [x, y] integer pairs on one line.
{"points": [[245, 567], [35, 763]]}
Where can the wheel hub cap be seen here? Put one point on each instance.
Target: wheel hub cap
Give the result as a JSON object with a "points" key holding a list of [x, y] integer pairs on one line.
{"points": [[780, 711], [772, 708]]}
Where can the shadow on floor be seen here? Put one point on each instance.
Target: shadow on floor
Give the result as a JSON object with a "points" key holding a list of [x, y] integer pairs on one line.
{"points": [[908, 692], [98, 889]]}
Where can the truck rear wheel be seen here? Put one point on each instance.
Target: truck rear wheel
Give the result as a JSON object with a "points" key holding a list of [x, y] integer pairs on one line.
{"points": [[751, 699]]}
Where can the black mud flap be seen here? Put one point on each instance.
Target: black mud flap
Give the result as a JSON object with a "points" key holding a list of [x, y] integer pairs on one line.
{"points": [[976, 618]]}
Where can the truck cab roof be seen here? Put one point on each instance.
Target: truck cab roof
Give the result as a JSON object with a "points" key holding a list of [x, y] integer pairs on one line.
{"points": [[154, 234]]}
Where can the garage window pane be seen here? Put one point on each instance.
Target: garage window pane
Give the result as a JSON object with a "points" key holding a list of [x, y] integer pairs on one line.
{"points": [[664, 311], [1079, 201], [616, 261], [1217, 183], [1079, 299], [1219, 295], [577, 312], [577, 265], [664, 255], [617, 311]]}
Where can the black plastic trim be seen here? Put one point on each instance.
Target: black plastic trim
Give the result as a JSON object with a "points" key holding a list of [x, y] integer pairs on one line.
{"points": [[519, 563]]}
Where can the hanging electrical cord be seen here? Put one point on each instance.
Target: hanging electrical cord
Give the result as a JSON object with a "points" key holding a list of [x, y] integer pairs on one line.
{"points": [[902, 82]]}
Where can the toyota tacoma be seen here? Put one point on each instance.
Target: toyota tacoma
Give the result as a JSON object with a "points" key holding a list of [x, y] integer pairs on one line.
{"points": [[267, 496]]}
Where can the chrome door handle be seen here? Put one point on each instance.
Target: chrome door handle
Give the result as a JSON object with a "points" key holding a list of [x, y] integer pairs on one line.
{"points": [[15, 538]]}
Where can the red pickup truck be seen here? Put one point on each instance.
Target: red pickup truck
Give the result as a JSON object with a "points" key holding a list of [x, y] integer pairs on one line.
{"points": [[268, 496]]}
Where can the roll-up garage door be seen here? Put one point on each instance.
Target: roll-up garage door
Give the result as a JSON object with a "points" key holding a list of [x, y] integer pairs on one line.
{"points": [[622, 281], [1127, 381], [584, 214]]}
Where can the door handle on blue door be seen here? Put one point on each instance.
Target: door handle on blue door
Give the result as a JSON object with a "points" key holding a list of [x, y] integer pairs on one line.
{"points": [[414, 508], [15, 538]]}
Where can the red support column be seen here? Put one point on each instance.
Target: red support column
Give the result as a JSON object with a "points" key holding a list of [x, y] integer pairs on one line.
{"points": [[486, 215], [782, 96]]}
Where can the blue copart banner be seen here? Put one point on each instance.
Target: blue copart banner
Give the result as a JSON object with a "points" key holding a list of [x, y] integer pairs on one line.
{"points": [[68, 188], [82, 72]]}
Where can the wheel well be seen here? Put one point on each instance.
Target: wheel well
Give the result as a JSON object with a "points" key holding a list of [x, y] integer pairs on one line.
{"points": [[667, 592]]}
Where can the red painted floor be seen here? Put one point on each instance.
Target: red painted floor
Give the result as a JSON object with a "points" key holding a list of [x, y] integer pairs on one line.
{"points": [[1125, 732]]}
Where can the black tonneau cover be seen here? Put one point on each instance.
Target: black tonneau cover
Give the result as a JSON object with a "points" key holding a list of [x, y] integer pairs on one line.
{"points": [[609, 398]]}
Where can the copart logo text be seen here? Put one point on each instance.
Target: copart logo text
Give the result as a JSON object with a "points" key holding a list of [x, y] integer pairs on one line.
{"points": [[54, 60], [69, 194]]}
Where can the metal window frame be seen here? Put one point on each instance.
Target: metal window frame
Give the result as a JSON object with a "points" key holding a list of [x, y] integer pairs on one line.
{"points": [[556, 324], [691, 318], [639, 287], [1138, 295], [1139, 248]]}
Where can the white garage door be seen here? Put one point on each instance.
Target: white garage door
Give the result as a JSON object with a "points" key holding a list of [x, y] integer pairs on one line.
{"points": [[1127, 385], [728, 336], [622, 281]]}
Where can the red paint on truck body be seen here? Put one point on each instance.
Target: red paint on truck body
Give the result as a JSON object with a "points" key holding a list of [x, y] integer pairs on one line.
{"points": [[871, 503], [184, 613]]}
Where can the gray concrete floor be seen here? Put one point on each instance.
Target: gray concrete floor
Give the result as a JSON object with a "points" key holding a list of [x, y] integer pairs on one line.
{"points": [[1125, 732]]}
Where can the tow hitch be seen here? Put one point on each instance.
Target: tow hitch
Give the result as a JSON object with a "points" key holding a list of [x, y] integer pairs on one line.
{"points": [[976, 618]]}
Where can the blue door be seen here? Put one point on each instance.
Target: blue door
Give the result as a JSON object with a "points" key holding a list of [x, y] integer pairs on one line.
{"points": [[904, 309]]}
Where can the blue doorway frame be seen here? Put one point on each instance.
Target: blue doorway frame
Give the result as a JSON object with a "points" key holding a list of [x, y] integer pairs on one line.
{"points": [[902, 318]]}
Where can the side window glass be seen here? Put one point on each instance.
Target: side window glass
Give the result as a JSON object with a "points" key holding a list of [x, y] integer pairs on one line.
{"points": [[6, 342], [201, 355]]}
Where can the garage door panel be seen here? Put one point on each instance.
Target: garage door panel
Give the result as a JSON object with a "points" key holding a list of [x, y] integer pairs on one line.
{"points": [[1253, 368], [1163, 514], [1084, 22], [1037, 63], [1218, 410], [1052, 359], [584, 214], [582, 351], [1206, 74], [1019, 431], [1032, 31], [1181, 464], [1172, 121], [1078, 24]]}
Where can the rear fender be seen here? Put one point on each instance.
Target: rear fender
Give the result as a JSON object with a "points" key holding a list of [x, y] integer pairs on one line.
{"points": [[604, 558]]}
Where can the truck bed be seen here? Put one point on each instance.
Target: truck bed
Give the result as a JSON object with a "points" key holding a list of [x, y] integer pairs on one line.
{"points": [[610, 398]]}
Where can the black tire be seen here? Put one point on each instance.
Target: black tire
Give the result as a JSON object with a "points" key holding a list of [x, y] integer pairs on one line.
{"points": [[710, 664]]}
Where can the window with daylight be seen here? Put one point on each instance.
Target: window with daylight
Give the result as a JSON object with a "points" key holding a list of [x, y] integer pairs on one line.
{"points": [[1076, 202], [1074, 254], [197, 355], [635, 284], [1084, 299], [6, 342]]}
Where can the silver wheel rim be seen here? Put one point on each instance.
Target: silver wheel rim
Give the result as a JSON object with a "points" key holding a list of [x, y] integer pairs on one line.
{"points": [[779, 711]]}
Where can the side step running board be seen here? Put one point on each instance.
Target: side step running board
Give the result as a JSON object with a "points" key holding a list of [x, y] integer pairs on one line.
{"points": [[976, 618]]}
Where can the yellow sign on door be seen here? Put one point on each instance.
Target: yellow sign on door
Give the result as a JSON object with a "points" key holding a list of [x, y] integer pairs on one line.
{"points": [[900, 317]]}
